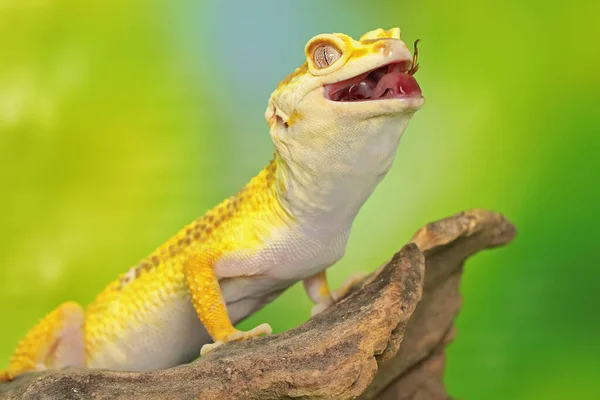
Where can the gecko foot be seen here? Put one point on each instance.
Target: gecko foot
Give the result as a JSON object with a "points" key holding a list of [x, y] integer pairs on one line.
{"points": [[237, 336], [320, 307], [338, 294]]}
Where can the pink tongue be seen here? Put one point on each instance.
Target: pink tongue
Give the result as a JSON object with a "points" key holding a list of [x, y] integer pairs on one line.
{"points": [[398, 83]]}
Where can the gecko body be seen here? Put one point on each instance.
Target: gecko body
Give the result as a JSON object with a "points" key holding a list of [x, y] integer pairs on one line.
{"points": [[336, 123]]}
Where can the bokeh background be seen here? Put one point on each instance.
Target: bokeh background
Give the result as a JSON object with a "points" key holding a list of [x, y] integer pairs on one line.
{"points": [[122, 121]]}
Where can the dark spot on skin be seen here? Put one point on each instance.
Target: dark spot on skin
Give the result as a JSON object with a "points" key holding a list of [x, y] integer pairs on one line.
{"points": [[155, 260], [124, 281], [141, 267]]}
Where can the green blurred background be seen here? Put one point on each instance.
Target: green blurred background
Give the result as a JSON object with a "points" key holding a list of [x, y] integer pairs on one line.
{"points": [[122, 121]]}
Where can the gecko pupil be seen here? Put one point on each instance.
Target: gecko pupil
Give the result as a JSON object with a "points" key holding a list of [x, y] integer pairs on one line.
{"points": [[325, 56]]}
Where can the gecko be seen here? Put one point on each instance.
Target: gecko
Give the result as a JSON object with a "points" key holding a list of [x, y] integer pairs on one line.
{"points": [[335, 123]]}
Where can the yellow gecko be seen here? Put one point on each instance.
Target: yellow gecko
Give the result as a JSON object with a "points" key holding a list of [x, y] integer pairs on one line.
{"points": [[336, 122]]}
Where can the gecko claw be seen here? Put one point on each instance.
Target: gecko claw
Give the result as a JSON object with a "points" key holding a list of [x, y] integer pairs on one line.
{"points": [[237, 336]]}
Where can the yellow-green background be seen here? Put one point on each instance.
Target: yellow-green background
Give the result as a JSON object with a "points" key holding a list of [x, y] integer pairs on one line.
{"points": [[122, 121]]}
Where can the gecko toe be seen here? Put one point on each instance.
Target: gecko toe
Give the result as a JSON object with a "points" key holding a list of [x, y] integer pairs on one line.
{"points": [[262, 329], [238, 336], [207, 348]]}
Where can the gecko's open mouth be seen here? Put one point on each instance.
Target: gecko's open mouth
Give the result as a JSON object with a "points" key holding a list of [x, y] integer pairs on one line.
{"points": [[391, 81]]}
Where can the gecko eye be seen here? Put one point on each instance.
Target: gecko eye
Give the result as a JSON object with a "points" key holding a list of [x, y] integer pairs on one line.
{"points": [[325, 55]]}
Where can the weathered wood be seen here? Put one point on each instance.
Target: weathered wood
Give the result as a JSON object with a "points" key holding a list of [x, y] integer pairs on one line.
{"points": [[384, 341]]}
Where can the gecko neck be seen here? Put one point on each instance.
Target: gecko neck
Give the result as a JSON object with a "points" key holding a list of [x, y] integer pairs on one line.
{"points": [[324, 189]]}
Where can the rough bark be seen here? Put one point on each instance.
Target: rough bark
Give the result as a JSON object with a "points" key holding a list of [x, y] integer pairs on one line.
{"points": [[385, 340]]}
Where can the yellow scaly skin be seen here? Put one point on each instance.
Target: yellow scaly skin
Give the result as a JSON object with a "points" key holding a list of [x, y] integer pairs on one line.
{"points": [[289, 223]]}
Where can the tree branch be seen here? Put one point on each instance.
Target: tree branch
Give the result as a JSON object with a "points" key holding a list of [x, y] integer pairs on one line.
{"points": [[381, 342]]}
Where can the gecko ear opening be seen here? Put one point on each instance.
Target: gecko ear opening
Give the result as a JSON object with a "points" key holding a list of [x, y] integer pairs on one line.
{"points": [[277, 125], [274, 117]]}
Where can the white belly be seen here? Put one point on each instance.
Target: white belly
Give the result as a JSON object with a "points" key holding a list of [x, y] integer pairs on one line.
{"points": [[174, 335]]}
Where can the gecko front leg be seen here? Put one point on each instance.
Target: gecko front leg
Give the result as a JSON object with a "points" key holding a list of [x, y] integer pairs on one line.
{"points": [[207, 298], [317, 288], [318, 291]]}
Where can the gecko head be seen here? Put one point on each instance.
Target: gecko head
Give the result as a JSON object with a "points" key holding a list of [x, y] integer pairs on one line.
{"points": [[355, 94]]}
